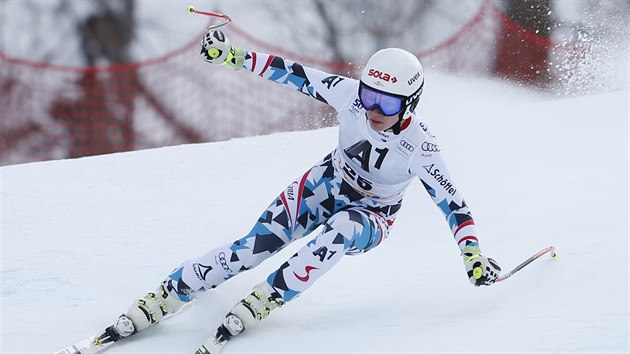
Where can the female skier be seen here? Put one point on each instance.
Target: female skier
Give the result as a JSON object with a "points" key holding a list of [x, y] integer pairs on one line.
{"points": [[354, 193]]}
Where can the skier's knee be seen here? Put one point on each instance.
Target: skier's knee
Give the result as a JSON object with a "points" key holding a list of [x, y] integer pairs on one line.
{"points": [[362, 230]]}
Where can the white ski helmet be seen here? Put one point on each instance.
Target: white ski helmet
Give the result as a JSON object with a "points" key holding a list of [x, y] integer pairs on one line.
{"points": [[396, 72]]}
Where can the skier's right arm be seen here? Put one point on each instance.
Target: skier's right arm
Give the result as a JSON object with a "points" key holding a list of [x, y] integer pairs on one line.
{"points": [[331, 89]]}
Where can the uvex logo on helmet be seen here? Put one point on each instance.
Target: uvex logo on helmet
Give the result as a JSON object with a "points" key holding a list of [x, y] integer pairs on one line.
{"points": [[382, 75], [414, 96], [413, 79]]}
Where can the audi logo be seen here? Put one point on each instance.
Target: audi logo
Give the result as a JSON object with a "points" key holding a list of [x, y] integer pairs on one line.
{"points": [[224, 263], [430, 147], [407, 145]]}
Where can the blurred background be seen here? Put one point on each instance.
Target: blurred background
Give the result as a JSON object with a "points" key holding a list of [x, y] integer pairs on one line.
{"points": [[81, 78]]}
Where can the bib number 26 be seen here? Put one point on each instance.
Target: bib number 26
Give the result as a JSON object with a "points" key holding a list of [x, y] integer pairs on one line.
{"points": [[361, 182]]}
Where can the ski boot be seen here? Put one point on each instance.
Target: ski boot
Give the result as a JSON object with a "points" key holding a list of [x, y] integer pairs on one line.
{"points": [[245, 315], [150, 310], [257, 305]]}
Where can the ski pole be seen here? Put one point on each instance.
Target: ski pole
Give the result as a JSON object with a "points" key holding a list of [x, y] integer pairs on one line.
{"points": [[550, 249], [225, 19]]}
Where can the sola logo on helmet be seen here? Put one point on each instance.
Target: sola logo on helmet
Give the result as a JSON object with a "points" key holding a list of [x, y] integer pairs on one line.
{"points": [[382, 75]]}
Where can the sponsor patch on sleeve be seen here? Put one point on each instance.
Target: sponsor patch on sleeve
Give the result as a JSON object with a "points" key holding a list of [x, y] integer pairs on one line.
{"points": [[356, 107], [405, 148]]}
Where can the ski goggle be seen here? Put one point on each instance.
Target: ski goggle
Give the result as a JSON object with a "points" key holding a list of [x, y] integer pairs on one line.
{"points": [[388, 103]]}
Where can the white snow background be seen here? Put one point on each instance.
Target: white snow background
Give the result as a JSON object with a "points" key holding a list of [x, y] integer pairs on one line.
{"points": [[81, 239]]}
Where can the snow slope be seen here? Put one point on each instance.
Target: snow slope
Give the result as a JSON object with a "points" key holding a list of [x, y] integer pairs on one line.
{"points": [[82, 238]]}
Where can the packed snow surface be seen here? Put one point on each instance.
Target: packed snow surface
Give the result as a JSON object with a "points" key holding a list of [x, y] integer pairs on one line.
{"points": [[81, 239]]}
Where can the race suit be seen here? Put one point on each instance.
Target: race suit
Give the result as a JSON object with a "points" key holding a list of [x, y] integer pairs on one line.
{"points": [[354, 193]]}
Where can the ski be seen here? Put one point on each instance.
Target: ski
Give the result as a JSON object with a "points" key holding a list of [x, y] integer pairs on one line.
{"points": [[213, 345], [99, 343], [219, 338], [91, 345]]}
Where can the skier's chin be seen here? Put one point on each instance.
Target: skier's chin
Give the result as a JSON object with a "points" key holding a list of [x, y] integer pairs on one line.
{"points": [[379, 122], [379, 126]]}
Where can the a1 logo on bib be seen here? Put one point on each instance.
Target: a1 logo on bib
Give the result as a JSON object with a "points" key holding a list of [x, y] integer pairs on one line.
{"points": [[405, 148]]}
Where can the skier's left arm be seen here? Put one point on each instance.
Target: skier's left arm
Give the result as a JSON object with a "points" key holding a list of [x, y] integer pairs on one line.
{"points": [[430, 167], [331, 89]]}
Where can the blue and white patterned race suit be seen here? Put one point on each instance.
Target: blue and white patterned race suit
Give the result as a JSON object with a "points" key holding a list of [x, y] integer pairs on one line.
{"points": [[352, 224], [354, 193]]}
